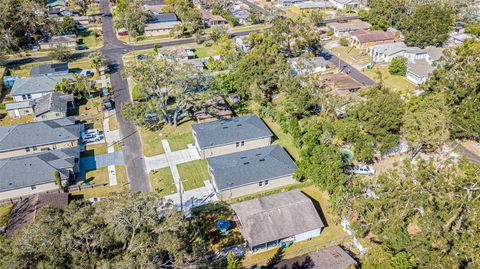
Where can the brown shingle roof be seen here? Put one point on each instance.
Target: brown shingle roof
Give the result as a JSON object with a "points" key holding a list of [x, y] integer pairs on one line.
{"points": [[372, 36], [329, 258]]}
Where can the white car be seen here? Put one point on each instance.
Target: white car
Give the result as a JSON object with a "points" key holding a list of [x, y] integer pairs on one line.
{"points": [[325, 38], [91, 132], [89, 138], [361, 169]]}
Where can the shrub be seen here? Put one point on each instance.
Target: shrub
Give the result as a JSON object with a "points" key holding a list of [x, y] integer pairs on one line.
{"points": [[343, 42], [398, 66]]}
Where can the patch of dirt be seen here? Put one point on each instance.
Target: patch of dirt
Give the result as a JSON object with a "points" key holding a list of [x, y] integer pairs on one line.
{"points": [[413, 228], [472, 145]]}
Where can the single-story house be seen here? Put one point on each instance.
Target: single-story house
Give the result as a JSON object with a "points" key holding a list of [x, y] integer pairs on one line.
{"points": [[343, 4], [52, 4], [35, 87], [160, 28], [49, 69], [328, 258], [19, 109], [303, 66], [341, 82], [25, 210], [456, 39], [213, 109], [34, 173], [287, 3], [283, 217], [309, 6], [154, 9], [419, 71], [82, 20], [56, 41], [226, 136], [251, 171], [181, 53], [212, 20], [386, 52], [363, 39], [344, 29], [240, 13], [53, 106], [29, 138], [163, 17]]}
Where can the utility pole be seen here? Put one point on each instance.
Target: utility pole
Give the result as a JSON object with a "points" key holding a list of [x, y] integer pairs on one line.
{"points": [[180, 191]]}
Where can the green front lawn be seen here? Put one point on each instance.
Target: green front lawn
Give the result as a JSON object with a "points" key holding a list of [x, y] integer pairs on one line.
{"points": [[394, 82], [5, 214], [180, 141], [105, 191], [162, 182], [151, 142], [87, 38], [97, 149], [98, 176], [206, 52], [195, 173], [352, 55]]}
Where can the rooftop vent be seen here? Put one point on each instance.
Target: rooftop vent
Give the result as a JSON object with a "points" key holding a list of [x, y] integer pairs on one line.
{"points": [[262, 160], [245, 163], [225, 127]]}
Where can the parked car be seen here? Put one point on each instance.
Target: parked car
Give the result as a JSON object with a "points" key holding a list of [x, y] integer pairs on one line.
{"points": [[141, 56], [151, 117], [361, 169], [81, 47], [108, 104], [90, 132], [325, 38], [123, 33], [81, 28], [91, 138], [105, 91]]}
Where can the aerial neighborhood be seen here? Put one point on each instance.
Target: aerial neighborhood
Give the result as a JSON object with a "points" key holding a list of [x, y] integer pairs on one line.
{"points": [[286, 134]]}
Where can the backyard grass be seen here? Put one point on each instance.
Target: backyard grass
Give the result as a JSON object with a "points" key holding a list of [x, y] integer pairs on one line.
{"points": [[13, 121], [195, 173], [352, 55], [180, 141], [162, 182], [5, 214], [332, 234], [206, 52], [105, 191], [113, 123], [206, 218], [97, 149], [394, 82], [283, 139]]}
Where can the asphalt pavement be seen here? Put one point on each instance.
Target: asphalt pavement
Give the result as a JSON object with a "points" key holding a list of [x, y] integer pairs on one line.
{"points": [[348, 69], [114, 50]]}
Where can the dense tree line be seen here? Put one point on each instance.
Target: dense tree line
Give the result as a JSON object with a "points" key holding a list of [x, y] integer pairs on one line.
{"points": [[121, 231]]}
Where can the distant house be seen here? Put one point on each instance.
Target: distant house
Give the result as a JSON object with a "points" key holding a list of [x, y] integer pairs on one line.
{"points": [[181, 53], [212, 20], [251, 171], [163, 17], [30, 138], [53, 106], [220, 137], [154, 8], [344, 29], [288, 3], [309, 6], [52, 4], [242, 43], [34, 173], [456, 39], [213, 109], [49, 69], [363, 39], [343, 4], [19, 109], [341, 82], [25, 210], [328, 258], [283, 217], [35, 87], [303, 66], [160, 28], [82, 20], [420, 63], [57, 41], [240, 13]]}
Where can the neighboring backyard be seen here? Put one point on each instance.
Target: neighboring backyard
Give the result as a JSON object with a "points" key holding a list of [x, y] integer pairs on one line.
{"points": [[195, 172], [352, 55], [394, 82]]}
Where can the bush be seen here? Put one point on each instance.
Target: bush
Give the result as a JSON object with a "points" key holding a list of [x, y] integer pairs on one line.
{"points": [[343, 42], [398, 66], [330, 32], [208, 43]]}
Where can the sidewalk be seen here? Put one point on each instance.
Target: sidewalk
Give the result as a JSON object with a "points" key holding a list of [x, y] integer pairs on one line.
{"points": [[111, 137]]}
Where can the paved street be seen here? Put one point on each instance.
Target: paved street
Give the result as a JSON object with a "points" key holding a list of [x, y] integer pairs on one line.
{"points": [[347, 68], [114, 49]]}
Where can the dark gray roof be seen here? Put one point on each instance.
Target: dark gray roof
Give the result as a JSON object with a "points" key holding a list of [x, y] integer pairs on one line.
{"points": [[163, 17], [34, 169], [329, 258], [37, 84], [421, 68], [228, 131], [276, 217], [48, 69], [38, 133], [251, 166], [52, 102]]}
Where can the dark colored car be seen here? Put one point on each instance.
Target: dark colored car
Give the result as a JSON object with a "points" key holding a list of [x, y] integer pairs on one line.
{"points": [[81, 47], [108, 104]]}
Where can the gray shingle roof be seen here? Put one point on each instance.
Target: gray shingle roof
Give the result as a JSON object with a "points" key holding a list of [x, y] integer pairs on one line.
{"points": [[163, 17], [329, 258], [34, 169], [251, 166], [228, 131], [37, 84], [52, 102], [38, 133], [48, 69], [18, 105], [420, 68], [276, 217]]}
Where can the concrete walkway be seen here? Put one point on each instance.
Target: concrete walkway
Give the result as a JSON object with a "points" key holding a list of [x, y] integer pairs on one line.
{"points": [[194, 198], [111, 137], [169, 157]]}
